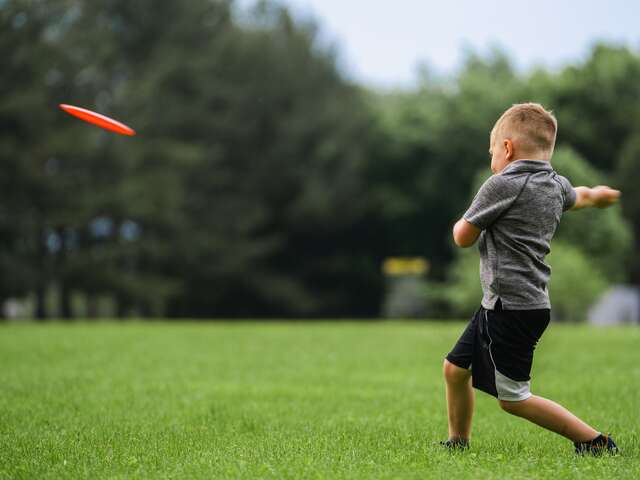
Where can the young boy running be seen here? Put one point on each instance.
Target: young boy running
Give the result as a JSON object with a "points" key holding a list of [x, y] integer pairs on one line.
{"points": [[514, 216]]}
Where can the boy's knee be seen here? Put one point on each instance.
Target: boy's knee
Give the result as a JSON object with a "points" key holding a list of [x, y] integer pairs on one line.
{"points": [[512, 407], [454, 374]]}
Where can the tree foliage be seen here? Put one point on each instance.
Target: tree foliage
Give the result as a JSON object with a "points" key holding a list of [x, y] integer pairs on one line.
{"points": [[243, 194], [602, 235], [263, 182]]}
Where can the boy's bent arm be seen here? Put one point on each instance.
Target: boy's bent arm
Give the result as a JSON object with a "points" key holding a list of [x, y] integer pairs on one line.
{"points": [[598, 197], [465, 234]]}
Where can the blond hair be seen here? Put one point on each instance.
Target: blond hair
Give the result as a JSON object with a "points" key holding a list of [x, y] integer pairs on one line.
{"points": [[529, 126]]}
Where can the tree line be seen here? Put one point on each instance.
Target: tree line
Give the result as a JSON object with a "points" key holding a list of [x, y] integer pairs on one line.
{"points": [[263, 183]]}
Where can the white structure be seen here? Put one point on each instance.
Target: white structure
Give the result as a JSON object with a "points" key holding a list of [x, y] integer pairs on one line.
{"points": [[620, 305]]}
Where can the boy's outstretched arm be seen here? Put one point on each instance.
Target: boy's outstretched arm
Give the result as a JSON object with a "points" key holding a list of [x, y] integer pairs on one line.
{"points": [[465, 233], [598, 197]]}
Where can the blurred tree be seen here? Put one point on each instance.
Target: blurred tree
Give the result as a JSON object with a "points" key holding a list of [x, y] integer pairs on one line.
{"points": [[243, 196], [430, 145], [575, 283], [598, 108], [246, 185], [276, 211], [27, 198], [598, 104], [603, 235], [626, 178], [262, 183], [461, 294]]}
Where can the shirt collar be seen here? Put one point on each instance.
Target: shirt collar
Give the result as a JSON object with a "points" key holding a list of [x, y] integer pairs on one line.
{"points": [[528, 166]]}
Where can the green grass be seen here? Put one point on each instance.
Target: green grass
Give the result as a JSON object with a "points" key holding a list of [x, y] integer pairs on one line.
{"points": [[292, 400]]}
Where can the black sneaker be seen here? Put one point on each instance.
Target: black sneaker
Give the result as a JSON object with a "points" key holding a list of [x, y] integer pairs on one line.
{"points": [[456, 444], [597, 446]]}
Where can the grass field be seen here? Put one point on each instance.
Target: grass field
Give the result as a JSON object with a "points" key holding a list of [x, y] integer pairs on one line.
{"points": [[292, 400]]}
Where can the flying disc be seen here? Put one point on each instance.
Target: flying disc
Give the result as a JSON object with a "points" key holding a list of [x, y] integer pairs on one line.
{"points": [[98, 119]]}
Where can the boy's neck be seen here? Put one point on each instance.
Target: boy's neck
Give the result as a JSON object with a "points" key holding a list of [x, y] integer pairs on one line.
{"points": [[536, 155], [534, 158]]}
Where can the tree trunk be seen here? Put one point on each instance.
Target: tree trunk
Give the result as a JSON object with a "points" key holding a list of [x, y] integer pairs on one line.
{"points": [[92, 305], [41, 282], [66, 310], [41, 310], [122, 307]]}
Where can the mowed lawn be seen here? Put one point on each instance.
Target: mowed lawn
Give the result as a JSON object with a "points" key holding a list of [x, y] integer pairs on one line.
{"points": [[293, 400]]}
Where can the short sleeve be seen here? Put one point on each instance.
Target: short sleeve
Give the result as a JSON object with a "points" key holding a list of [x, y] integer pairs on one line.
{"points": [[568, 193], [495, 196]]}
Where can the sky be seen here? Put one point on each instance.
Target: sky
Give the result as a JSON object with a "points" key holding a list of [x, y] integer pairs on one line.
{"points": [[381, 43]]}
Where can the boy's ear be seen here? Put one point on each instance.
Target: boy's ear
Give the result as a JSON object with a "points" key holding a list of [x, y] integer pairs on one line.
{"points": [[508, 149]]}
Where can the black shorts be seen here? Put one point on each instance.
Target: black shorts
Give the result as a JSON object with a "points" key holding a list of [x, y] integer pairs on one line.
{"points": [[498, 346]]}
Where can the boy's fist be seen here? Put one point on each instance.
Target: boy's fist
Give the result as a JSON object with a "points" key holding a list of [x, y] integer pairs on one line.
{"points": [[603, 196]]}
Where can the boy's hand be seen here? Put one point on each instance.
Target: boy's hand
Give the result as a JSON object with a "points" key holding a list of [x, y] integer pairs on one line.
{"points": [[598, 197]]}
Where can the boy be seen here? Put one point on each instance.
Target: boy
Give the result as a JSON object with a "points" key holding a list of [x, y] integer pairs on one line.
{"points": [[514, 216]]}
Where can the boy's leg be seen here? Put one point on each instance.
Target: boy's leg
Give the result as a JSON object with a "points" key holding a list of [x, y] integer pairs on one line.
{"points": [[460, 400], [551, 416]]}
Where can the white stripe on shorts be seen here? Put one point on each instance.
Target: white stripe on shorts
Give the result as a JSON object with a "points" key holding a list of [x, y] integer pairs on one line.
{"points": [[508, 389]]}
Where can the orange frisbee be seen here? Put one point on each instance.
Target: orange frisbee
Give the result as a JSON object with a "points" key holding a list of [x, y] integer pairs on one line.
{"points": [[101, 121]]}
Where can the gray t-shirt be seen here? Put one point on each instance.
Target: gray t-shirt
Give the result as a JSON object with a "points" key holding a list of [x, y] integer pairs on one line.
{"points": [[518, 211]]}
